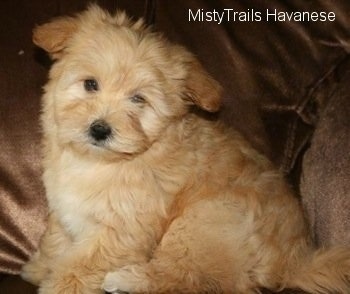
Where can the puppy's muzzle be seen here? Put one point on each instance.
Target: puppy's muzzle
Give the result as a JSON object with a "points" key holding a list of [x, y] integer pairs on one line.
{"points": [[100, 131]]}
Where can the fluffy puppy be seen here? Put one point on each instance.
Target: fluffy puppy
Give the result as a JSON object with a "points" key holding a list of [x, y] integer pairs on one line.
{"points": [[147, 196]]}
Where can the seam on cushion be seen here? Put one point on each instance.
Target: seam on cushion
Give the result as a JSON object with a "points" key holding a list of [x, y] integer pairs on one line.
{"points": [[303, 103]]}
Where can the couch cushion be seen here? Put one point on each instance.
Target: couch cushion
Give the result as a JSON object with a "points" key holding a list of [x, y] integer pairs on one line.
{"points": [[325, 181], [268, 69], [22, 203]]}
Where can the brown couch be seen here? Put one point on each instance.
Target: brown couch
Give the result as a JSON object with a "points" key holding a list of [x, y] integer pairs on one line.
{"points": [[286, 87]]}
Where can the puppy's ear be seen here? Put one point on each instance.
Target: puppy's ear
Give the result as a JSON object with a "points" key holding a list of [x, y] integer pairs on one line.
{"points": [[202, 89], [53, 36]]}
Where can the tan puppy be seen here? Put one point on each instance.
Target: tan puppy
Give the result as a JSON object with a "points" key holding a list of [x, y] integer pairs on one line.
{"points": [[144, 189]]}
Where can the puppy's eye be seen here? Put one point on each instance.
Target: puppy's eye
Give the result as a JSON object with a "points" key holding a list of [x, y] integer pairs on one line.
{"points": [[137, 99], [91, 85]]}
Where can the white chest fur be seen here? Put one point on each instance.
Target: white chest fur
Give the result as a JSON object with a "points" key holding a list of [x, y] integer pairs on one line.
{"points": [[87, 195]]}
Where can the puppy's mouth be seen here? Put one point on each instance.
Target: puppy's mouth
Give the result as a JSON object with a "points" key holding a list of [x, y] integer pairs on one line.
{"points": [[105, 149], [108, 146], [99, 144]]}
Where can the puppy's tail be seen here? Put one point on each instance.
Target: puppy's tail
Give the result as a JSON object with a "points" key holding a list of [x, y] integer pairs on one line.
{"points": [[325, 272]]}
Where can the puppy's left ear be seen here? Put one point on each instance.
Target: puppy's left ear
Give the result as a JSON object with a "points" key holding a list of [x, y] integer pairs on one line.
{"points": [[53, 36], [202, 89]]}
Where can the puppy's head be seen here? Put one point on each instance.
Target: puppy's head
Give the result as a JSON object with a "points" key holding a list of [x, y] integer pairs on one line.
{"points": [[115, 86]]}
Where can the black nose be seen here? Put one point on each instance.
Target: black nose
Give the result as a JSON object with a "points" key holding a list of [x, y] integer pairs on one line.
{"points": [[100, 130]]}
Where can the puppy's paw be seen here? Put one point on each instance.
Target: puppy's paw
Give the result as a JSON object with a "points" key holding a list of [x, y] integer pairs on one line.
{"points": [[35, 270], [116, 283], [128, 279]]}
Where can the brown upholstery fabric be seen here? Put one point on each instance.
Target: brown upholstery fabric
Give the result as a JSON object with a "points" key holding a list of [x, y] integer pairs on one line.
{"points": [[282, 82], [22, 205], [269, 70], [326, 168]]}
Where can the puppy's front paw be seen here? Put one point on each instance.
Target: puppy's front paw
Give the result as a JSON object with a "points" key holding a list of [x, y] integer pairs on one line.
{"points": [[128, 279], [35, 270], [114, 283]]}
